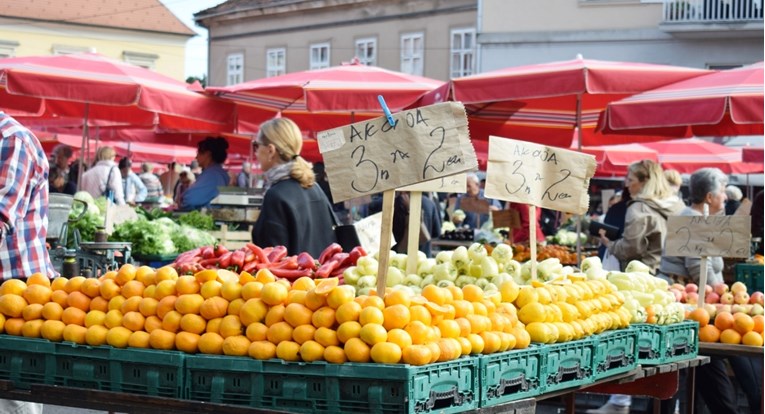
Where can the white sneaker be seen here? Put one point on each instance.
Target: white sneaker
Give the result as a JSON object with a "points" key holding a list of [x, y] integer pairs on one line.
{"points": [[610, 409]]}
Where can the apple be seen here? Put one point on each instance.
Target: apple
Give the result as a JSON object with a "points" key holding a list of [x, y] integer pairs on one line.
{"points": [[757, 309], [712, 297], [737, 308], [708, 289], [711, 309], [725, 308], [691, 288], [726, 298], [679, 296], [720, 288], [692, 298], [756, 297], [741, 298], [677, 286], [737, 287]]}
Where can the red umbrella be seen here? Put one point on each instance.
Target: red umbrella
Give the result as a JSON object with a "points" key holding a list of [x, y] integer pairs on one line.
{"points": [[545, 102], [616, 159], [325, 98], [750, 154], [688, 155], [139, 152], [728, 102]]}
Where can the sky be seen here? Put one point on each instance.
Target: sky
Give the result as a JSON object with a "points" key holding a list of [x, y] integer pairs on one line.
{"points": [[196, 47]]}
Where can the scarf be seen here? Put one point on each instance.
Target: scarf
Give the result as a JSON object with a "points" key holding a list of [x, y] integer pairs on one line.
{"points": [[278, 173]]}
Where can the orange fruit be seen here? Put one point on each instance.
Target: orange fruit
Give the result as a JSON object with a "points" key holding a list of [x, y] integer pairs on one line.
{"points": [[32, 311], [416, 355], [273, 293], [348, 330], [325, 316], [304, 283], [165, 305], [265, 276], [300, 334], [709, 333], [743, 323], [296, 314], [13, 287], [53, 330], [254, 310], [172, 321], [214, 307], [348, 312], [186, 285], [116, 302], [165, 288], [96, 335], [311, 351], [386, 353], [251, 290], [275, 314], [357, 350], [73, 315], [125, 274], [210, 289], [99, 303], [435, 294], [13, 326], [422, 314], [730, 336], [752, 338], [91, 287], [396, 316], [257, 332], [326, 336], [52, 311], [758, 323], [162, 339], [37, 294], [279, 332], [132, 288], [371, 314], [189, 303], [210, 343], [75, 333], [113, 318], [207, 275], [213, 325], [288, 351], [340, 295], [108, 289], [236, 345], [38, 279], [235, 306], [118, 337], [335, 355], [399, 337], [146, 275], [326, 285], [133, 320], [193, 323], [245, 278], [130, 304], [231, 325], [139, 339], [78, 300], [56, 284], [723, 321], [148, 306], [373, 333], [262, 350], [374, 301], [166, 273]]}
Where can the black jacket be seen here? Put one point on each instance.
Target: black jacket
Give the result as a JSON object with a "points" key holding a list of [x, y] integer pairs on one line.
{"points": [[299, 218]]}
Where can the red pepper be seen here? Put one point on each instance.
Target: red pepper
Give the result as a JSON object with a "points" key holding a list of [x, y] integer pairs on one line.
{"points": [[225, 260], [342, 258], [220, 250], [237, 259], [276, 255], [290, 274], [330, 251], [326, 269], [338, 271], [208, 252], [249, 256], [260, 254], [210, 261], [357, 252], [249, 267], [305, 261]]}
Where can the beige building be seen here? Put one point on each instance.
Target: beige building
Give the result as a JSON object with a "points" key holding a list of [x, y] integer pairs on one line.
{"points": [[253, 39], [694, 33], [141, 32]]}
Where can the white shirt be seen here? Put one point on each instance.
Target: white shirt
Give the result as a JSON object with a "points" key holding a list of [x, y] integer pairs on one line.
{"points": [[94, 181]]}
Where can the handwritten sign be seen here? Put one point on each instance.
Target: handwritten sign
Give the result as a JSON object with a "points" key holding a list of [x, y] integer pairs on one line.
{"points": [[474, 205], [368, 230], [372, 156], [451, 184], [548, 177], [693, 236], [506, 218]]}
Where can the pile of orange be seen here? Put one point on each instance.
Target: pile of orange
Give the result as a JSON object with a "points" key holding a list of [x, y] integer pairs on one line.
{"points": [[727, 328], [219, 312]]}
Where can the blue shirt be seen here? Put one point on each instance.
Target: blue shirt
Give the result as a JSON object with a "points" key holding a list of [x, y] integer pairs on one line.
{"points": [[205, 188], [133, 188]]}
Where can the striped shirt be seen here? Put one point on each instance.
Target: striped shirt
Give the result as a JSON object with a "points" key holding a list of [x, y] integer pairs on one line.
{"points": [[23, 203]]}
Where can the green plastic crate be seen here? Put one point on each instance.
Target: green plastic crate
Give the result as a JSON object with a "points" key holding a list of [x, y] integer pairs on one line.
{"points": [[320, 387], [568, 364], [510, 376], [661, 344], [134, 371], [26, 361], [750, 275], [615, 352]]}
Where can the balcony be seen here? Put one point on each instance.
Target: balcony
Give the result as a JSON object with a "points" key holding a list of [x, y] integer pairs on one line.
{"points": [[698, 18]]}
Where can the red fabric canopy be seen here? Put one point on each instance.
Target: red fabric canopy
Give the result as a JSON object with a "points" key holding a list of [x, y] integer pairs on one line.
{"points": [[688, 155]]}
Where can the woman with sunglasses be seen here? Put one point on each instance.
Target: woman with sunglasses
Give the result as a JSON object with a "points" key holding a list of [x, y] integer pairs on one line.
{"points": [[295, 211]]}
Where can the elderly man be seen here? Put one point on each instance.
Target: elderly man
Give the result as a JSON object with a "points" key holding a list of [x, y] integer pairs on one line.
{"points": [[243, 179]]}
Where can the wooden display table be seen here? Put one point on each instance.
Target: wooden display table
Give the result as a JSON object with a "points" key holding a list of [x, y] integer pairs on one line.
{"points": [[720, 349]]}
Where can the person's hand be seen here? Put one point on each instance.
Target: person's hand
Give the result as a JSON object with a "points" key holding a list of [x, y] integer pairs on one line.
{"points": [[603, 239], [494, 208]]}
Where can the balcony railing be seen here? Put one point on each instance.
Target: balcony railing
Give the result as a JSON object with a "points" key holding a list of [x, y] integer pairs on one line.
{"points": [[712, 11]]}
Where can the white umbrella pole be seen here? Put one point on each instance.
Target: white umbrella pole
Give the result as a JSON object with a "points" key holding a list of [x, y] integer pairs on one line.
{"points": [[579, 147], [82, 148]]}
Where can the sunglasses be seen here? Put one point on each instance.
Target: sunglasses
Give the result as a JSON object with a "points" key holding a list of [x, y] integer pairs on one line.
{"points": [[256, 145]]}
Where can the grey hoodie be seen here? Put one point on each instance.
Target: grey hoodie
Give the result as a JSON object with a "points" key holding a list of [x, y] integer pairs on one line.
{"points": [[645, 228]]}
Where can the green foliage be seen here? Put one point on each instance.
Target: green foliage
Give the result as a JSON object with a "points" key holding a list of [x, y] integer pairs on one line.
{"points": [[197, 220]]}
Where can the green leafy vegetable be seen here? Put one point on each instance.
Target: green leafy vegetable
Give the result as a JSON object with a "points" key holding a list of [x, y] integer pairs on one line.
{"points": [[197, 220]]}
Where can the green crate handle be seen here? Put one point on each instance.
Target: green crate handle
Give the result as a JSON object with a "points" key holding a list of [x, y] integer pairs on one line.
{"points": [[519, 384], [435, 396], [562, 371], [679, 349], [621, 360]]}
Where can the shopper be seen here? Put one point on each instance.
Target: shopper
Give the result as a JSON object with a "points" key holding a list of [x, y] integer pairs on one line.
{"points": [[615, 216], [735, 195], [60, 156], [244, 177], [104, 178], [132, 186], [57, 182], [645, 225], [211, 154], [430, 223], [474, 193], [23, 216], [152, 183], [185, 181], [295, 211], [523, 234], [169, 178]]}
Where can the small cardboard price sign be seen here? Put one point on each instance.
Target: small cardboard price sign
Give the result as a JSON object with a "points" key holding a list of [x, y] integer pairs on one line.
{"points": [[475, 205], [549, 177], [694, 236], [372, 156], [506, 218], [452, 184]]}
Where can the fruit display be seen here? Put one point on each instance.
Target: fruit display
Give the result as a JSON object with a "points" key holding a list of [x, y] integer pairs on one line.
{"points": [[217, 311], [721, 297], [562, 253], [646, 297]]}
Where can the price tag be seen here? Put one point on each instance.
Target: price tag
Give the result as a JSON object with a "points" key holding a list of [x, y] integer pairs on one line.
{"points": [[369, 157], [506, 218], [368, 230], [693, 236], [549, 177], [451, 184]]}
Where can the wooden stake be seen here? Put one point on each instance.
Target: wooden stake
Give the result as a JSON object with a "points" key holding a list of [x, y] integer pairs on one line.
{"points": [[415, 216], [533, 240], [703, 274], [387, 226]]}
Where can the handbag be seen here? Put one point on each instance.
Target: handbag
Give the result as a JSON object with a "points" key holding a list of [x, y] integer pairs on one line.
{"points": [[108, 193], [610, 262]]}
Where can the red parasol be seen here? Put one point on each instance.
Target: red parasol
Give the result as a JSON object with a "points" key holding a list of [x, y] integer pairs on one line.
{"points": [[688, 155], [728, 102]]}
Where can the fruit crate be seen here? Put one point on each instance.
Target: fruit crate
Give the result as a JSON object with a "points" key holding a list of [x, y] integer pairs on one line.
{"points": [[320, 387], [615, 352], [661, 344], [134, 371], [511, 375], [568, 364], [751, 275], [26, 361]]}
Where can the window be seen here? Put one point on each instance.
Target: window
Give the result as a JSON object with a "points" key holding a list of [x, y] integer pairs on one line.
{"points": [[463, 52], [276, 62], [68, 50], [235, 69], [366, 51], [412, 53], [719, 66], [144, 60], [8, 48], [319, 58]]}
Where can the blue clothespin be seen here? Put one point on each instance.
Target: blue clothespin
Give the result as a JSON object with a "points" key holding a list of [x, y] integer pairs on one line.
{"points": [[386, 110]]}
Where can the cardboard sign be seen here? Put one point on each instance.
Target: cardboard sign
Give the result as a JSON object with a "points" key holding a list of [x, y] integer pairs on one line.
{"points": [[506, 218], [451, 184], [693, 236], [475, 205], [368, 230], [549, 177], [372, 156]]}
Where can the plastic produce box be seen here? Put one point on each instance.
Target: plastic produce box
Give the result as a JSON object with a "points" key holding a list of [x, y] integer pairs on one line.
{"points": [[26, 361], [661, 344], [615, 352], [751, 275], [320, 387], [568, 364], [134, 371], [512, 375]]}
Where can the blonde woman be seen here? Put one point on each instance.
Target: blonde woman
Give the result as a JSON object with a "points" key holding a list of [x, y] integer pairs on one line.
{"points": [[645, 225], [104, 177], [295, 211]]}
